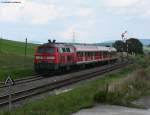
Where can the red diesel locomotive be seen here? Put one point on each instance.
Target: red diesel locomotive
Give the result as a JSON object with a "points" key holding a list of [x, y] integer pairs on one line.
{"points": [[53, 56]]}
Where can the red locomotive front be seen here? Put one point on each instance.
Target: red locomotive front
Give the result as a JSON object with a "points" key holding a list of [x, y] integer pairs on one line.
{"points": [[53, 56], [46, 58]]}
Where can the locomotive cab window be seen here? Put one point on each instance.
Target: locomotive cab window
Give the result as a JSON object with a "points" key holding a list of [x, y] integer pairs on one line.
{"points": [[45, 50]]}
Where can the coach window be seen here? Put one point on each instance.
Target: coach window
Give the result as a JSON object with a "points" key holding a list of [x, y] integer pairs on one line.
{"points": [[64, 49], [86, 53]]}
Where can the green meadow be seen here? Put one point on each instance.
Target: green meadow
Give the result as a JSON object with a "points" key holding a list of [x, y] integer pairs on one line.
{"points": [[13, 61], [147, 48]]}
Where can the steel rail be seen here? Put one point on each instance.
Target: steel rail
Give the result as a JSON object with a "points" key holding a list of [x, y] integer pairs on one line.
{"points": [[24, 80]]}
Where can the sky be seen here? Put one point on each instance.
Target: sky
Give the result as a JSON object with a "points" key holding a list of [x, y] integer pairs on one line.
{"points": [[91, 21]]}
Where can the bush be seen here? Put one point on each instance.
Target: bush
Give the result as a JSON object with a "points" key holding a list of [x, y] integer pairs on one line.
{"points": [[126, 89]]}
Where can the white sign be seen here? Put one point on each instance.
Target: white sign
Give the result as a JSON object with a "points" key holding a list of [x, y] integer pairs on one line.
{"points": [[9, 81]]}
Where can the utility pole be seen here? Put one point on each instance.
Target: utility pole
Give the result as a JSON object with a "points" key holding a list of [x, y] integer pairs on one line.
{"points": [[124, 40], [1, 43], [25, 52], [73, 37]]}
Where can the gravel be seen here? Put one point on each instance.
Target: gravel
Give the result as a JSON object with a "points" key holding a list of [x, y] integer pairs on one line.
{"points": [[112, 110], [119, 110]]}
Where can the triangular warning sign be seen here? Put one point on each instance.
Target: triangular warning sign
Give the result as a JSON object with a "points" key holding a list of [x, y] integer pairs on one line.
{"points": [[9, 81]]}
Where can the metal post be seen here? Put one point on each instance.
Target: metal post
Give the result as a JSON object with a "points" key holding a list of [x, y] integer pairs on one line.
{"points": [[123, 39], [109, 55], [25, 53], [10, 105], [1, 44], [73, 37], [127, 50], [9, 82], [122, 47]]}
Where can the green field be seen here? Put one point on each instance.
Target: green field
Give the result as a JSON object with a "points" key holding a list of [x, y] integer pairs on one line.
{"points": [[12, 59], [147, 48]]}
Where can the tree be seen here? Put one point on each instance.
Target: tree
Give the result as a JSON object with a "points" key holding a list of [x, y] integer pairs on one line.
{"points": [[119, 45], [134, 46]]}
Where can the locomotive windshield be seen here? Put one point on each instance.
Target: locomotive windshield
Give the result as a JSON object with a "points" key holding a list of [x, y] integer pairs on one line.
{"points": [[45, 50]]}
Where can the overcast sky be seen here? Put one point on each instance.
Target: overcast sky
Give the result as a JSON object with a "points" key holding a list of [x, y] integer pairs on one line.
{"points": [[91, 20]]}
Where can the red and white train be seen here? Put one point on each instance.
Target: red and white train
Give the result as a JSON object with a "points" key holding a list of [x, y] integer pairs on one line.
{"points": [[55, 56]]}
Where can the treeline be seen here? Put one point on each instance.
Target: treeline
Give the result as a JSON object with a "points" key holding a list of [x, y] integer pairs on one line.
{"points": [[133, 46]]}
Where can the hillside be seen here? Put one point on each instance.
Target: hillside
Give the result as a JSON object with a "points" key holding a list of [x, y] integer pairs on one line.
{"points": [[12, 53], [16, 48], [147, 48], [12, 58], [145, 41], [109, 43]]}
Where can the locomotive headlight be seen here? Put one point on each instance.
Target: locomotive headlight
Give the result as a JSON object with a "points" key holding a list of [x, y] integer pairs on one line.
{"points": [[50, 57], [39, 57]]}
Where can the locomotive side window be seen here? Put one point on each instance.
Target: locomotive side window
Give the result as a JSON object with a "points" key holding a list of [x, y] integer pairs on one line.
{"points": [[64, 49], [71, 50], [68, 49], [45, 50], [60, 50]]}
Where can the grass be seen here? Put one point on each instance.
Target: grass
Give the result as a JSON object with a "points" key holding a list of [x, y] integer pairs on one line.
{"points": [[147, 48], [68, 102], [125, 90], [16, 48], [129, 88], [12, 60]]}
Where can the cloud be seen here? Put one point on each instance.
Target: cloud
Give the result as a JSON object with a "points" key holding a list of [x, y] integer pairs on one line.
{"points": [[85, 12], [32, 12], [9, 12], [121, 3], [39, 13], [129, 8]]}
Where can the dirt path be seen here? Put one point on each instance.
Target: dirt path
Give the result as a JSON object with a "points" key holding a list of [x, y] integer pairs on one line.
{"points": [[113, 110], [118, 110]]}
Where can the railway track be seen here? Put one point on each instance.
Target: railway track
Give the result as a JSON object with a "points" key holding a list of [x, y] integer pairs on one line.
{"points": [[57, 82], [24, 80]]}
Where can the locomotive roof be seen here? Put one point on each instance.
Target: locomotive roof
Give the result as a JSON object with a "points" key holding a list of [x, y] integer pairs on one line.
{"points": [[56, 45]]}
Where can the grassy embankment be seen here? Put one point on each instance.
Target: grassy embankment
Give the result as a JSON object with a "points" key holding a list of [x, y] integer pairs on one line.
{"points": [[115, 88], [12, 59], [147, 49]]}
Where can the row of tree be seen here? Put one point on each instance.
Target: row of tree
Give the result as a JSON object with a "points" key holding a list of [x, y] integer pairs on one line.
{"points": [[132, 46]]}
